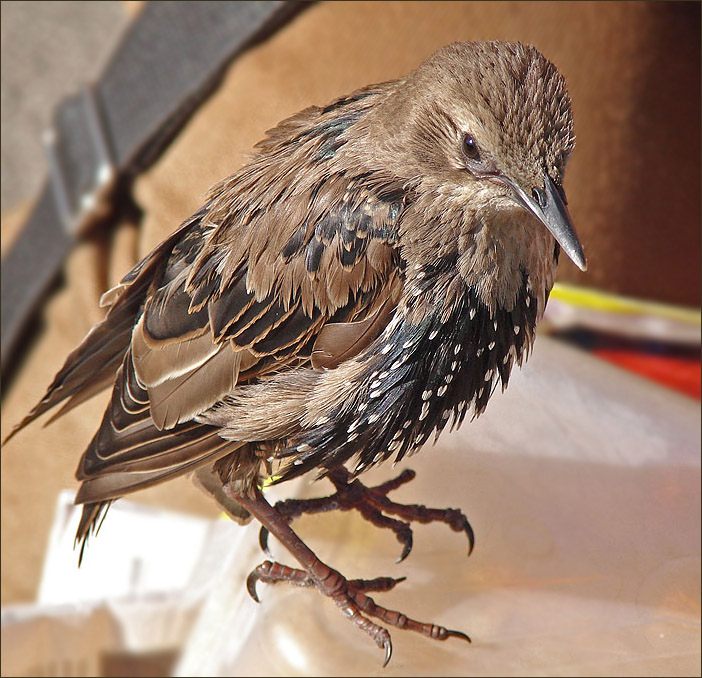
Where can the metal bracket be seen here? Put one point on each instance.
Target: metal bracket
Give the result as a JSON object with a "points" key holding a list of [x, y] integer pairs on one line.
{"points": [[83, 191]]}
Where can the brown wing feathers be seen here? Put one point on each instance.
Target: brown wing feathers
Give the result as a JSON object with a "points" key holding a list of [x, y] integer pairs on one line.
{"points": [[181, 363], [92, 366], [340, 341], [273, 267]]}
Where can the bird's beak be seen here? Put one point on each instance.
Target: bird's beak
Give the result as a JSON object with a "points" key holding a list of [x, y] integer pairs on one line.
{"points": [[550, 209]]}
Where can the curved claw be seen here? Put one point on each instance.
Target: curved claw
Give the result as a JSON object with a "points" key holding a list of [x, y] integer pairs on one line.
{"points": [[406, 549], [263, 541], [457, 634], [388, 651], [471, 536], [251, 582]]}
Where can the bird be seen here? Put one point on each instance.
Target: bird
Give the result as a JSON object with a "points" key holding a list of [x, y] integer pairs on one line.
{"points": [[372, 273]]}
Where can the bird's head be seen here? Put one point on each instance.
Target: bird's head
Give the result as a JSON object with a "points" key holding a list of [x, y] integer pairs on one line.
{"points": [[488, 126]]}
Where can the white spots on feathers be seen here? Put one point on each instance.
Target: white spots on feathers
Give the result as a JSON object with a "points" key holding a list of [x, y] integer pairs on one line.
{"points": [[392, 325], [395, 444], [432, 356]]}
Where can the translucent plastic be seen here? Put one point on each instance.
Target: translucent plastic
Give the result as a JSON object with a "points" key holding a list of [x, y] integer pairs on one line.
{"points": [[582, 484]]}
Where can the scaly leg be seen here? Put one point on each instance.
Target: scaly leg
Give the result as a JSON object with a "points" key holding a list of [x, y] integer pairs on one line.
{"points": [[349, 595]]}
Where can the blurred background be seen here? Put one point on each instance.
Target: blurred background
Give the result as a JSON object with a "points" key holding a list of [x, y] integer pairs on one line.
{"points": [[633, 185], [49, 49]]}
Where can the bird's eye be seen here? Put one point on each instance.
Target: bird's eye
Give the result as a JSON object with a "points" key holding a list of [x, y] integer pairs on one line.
{"points": [[470, 148]]}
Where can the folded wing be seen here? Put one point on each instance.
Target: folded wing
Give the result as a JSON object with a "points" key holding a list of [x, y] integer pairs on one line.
{"points": [[286, 267]]}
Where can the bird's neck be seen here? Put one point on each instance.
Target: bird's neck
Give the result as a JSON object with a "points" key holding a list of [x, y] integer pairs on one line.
{"points": [[499, 255]]}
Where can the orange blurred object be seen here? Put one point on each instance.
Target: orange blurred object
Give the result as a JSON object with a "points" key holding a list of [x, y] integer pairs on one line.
{"points": [[677, 372]]}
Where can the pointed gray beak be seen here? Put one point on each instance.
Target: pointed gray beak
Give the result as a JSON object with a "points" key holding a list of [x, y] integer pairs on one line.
{"points": [[548, 207]]}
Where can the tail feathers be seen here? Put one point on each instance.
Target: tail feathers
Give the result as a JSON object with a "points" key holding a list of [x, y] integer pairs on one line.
{"points": [[90, 523], [100, 381], [99, 492], [129, 451], [92, 366], [88, 369], [148, 472]]}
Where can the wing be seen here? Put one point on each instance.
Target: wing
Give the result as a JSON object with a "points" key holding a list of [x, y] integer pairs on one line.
{"points": [[292, 263], [203, 331]]}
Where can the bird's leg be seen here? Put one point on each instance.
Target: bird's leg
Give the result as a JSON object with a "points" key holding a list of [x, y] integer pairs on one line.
{"points": [[348, 594], [271, 573], [372, 503]]}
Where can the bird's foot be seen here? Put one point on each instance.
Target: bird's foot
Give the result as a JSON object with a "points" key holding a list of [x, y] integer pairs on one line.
{"points": [[350, 596], [373, 503]]}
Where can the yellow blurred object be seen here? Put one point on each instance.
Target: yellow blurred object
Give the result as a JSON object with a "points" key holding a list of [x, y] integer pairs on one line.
{"points": [[571, 306], [614, 303]]}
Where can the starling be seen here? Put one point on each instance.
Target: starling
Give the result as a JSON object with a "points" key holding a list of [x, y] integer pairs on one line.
{"points": [[374, 272]]}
